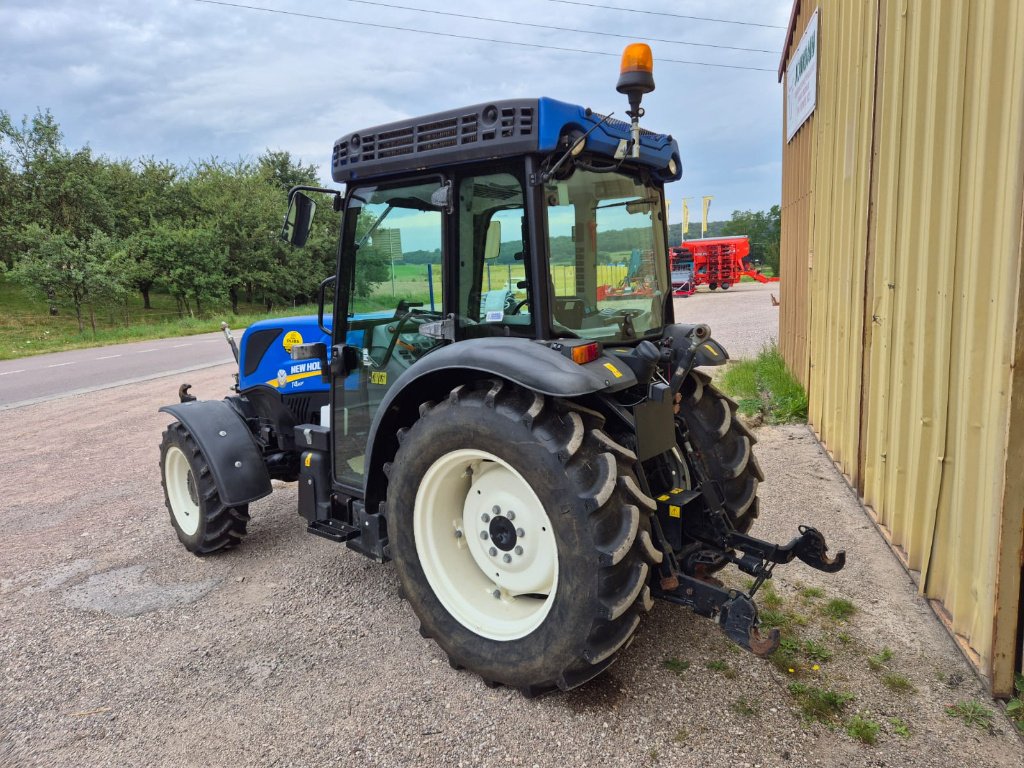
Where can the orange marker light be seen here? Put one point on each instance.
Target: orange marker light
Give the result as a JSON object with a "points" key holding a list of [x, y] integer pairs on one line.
{"points": [[637, 58], [586, 353]]}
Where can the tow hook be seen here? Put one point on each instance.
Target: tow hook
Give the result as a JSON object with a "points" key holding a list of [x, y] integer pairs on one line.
{"points": [[183, 394]]}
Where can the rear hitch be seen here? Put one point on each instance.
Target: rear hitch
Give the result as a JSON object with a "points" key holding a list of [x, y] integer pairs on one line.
{"points": [[704, 522], [735, 612]]}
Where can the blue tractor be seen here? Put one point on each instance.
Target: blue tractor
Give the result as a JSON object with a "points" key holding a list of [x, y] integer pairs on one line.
{"points": [[538, 463]]}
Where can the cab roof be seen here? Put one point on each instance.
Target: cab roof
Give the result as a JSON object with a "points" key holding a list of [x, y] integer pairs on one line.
{"points": [[492, 130]]}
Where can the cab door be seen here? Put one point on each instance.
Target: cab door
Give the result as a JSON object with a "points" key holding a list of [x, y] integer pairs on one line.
{"points": [[390, 282]]}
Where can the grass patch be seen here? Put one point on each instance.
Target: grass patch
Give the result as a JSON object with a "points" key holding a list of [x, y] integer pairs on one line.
{"points": [[863, 729], [972, 712], [839, 609], [844, 638], [898, 683], [682, 735], [721, 666], [743, 708], [787, 657], [679, 666], [770, 599], [880, 659], [899, 727], [26, 327], [820, 704], [812, 593], [765, 386]]}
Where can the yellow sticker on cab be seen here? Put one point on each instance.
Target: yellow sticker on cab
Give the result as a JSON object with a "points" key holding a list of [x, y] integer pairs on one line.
{"points": [[615, 371], [674, 511], [379, 377], [290, 340]]}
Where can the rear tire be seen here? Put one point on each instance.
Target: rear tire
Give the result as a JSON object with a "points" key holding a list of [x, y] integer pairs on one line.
{"points": [[725, 446], [204, 524], [561, 618]]}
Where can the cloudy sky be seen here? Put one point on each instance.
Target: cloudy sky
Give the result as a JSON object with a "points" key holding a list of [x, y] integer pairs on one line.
{"points": [[183, 79]]}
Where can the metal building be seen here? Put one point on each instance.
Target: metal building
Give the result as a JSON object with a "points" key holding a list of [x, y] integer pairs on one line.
{"points": [[902, 300]]}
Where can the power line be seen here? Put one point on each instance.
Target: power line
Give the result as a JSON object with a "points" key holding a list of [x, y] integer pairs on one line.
{"points": [[665, 13], [464, 37], [560, 29]]}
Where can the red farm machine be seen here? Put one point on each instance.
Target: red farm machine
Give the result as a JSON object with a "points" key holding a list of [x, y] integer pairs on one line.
{"points": [[717, 262]]}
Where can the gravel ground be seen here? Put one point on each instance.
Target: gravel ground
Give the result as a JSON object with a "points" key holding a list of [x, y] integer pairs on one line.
{"points": [[742, 317], [120, 648]]}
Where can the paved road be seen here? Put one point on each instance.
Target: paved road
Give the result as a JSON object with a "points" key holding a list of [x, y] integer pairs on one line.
{"points": [[45, 377]]}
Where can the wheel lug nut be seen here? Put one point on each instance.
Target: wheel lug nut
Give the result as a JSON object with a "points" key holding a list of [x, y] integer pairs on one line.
{"points": [[483, 535], [496, 594], [496, 509], [511, 515], [458, 533], [485, 517], [520, 532], [519, 550], [507, 558], [492, 552]]}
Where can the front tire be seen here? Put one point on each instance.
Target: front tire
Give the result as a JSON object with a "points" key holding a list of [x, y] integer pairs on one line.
{"points": [[520, 536], [203, 522]]}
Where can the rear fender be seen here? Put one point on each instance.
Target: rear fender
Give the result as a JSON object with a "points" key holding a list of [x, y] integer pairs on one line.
{"points": [[529, 364], [224, 438]]}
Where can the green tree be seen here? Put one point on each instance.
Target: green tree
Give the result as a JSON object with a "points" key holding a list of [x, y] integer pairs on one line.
{"points": [[764, 228], [69, 270], [190, 263]]}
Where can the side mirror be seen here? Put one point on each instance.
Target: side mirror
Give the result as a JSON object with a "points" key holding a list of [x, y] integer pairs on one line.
{"points": [[299, 219], [492, 245]]}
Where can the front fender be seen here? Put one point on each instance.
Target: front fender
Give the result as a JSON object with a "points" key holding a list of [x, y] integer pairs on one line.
{"points": [[224, 438]]}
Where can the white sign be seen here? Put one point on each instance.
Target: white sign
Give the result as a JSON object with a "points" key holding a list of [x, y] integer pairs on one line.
{"points": [[802, 79]]}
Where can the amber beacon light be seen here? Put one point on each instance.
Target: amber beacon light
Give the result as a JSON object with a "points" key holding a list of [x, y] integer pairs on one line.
{"points": [[636, 77]]}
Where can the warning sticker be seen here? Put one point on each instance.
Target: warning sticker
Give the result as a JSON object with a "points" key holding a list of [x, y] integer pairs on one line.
{"points": [[290, 340], [615, 371], [379, 377]]}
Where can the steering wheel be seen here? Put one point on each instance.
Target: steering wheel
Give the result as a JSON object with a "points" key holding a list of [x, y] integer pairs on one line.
{"points": [[518, 306], [411, 316]]}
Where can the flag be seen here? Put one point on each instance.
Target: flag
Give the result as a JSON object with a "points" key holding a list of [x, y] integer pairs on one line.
{"points": [[704, 217], [686, 219]]}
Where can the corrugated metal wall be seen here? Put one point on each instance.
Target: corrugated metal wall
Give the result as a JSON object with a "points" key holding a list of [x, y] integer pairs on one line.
{"points": [[912, 294]]}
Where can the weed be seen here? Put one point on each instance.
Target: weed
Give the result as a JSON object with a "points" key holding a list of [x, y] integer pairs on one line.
{"points": [[820, 704], [676, 665], [1015, 706], [839, 609], [844, 638], [742, 707], [816, 651], [653, 755], [971, 712], [863, 729], [880, 659], [681, 736], [898, 683], [785, 657], [899, 727], [810, 593]]}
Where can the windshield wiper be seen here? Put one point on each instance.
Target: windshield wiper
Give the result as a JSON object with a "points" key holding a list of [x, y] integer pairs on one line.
{"points": [[647, 200]]}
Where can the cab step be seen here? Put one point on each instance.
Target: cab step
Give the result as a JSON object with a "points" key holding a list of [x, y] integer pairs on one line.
{"points": [[335, 530]]}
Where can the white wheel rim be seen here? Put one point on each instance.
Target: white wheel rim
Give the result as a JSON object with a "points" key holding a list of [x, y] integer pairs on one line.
{"points": [[485, 544], [184, 505]]}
